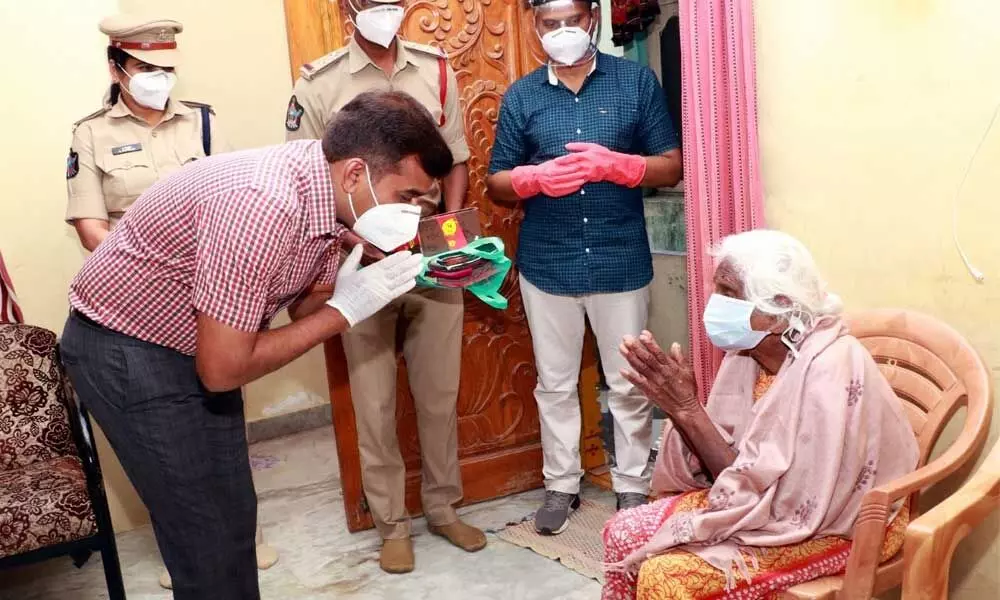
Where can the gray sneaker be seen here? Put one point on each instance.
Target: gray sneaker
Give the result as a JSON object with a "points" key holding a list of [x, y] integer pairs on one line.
{"points": [[553, 517], [627, 500]]}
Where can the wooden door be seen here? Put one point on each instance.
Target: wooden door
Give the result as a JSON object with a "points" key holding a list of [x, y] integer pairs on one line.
{"points": [[490, 44]]}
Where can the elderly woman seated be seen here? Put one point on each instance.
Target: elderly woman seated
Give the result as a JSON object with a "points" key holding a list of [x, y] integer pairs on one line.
{"points": [[759, 490]]}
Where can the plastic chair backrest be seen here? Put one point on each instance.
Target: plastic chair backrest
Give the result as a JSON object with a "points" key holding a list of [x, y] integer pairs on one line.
{"points": [[935, 372]]}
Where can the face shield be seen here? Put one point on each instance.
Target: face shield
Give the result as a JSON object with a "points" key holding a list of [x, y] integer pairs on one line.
{"points": [[568, 30]]}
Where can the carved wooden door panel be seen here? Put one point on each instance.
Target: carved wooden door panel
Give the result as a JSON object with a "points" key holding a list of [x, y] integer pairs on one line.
{"points": [[490, 44]]}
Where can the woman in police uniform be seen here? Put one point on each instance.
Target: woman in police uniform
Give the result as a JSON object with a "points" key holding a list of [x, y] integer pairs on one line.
{"points": [[140, 135]]}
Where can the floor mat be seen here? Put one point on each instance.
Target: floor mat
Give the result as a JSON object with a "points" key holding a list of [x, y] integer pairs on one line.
{"points": [[579, 548]]}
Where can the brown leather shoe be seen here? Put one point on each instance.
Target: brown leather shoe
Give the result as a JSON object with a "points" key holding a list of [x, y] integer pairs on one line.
{"points": [[396, 556], [464, 536]]}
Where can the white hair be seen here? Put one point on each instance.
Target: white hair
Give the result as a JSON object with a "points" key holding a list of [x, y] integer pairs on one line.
{"points": [[772, 264]]}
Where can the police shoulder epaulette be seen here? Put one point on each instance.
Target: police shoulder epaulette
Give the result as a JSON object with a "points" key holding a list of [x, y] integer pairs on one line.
{"points": [[198, 105], [432, 50], [314, 68], [92, 115]]}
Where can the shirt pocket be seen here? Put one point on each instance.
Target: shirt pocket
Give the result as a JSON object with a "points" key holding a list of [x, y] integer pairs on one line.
{"points": [[426, 91], [126, 176], [616, 126], [189, 151], [549, 128]]}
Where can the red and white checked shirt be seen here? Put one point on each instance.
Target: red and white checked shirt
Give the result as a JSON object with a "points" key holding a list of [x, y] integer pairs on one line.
{"points": [[236, 236]]}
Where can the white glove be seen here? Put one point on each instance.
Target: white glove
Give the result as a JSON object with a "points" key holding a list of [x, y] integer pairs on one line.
{"points": [[360, 293]]}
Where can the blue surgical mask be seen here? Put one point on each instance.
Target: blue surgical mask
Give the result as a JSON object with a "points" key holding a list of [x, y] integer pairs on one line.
{"points": [[727, 322]]}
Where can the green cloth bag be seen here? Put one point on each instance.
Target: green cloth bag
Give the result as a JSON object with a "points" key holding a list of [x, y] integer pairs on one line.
{"points": [[485, 278]]}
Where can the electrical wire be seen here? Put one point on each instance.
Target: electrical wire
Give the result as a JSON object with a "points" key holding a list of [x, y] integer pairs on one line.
{"points": [[976, 274]]}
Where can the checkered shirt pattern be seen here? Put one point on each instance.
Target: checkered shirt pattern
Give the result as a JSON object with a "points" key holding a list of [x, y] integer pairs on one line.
{"points": [[236, 236], [595, 240]]}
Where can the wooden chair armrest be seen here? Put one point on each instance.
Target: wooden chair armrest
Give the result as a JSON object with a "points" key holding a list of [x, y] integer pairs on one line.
{"points": [[80, 430], [931, 539], [83, 435]]}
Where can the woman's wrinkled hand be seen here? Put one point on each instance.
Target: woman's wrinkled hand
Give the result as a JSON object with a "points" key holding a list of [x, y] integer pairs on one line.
{"points": [[666, 379]]}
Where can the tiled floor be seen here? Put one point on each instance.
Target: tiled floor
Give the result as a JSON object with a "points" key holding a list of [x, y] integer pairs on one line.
{"points": [[302, 513]]}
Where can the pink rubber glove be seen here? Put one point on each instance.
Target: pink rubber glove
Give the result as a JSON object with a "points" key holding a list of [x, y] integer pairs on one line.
{"points": [[601, 164], [549, 178]]}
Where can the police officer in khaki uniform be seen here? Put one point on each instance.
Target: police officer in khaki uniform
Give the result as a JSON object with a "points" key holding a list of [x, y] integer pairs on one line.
{"points": [[138, 137], [140, 134], [377, 59]]}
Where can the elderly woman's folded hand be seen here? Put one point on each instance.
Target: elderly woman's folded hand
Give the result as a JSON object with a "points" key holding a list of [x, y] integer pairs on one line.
{"points": [[666, 379]]}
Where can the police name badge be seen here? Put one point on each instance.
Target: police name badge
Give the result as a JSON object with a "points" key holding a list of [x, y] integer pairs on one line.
{"points": [[126, 149]]}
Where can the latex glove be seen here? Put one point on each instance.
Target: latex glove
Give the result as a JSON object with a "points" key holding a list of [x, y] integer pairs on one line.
{"points": [[550, 178], [600, 164], [361, 292]]}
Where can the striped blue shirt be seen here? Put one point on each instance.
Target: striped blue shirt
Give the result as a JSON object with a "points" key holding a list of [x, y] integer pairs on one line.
{"points": [[593, 241]]}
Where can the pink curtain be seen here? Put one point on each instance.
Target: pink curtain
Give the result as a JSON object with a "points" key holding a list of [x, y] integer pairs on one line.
{"points": [[10, 312], [721, 158]]}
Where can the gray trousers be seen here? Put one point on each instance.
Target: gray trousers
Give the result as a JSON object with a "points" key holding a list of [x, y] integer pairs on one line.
{"points": [[183, 448]]}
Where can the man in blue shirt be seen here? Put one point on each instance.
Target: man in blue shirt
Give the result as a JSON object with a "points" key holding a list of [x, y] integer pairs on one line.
{"points": [[576, 141]]}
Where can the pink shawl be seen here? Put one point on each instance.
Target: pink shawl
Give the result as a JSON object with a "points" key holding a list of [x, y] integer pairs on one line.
{"points": [[829, 429]]}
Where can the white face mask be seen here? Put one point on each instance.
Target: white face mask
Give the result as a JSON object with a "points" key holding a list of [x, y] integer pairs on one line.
{"points": [[727, 322], [566, 45], [387, 226], [151, 90], [379, 24]]}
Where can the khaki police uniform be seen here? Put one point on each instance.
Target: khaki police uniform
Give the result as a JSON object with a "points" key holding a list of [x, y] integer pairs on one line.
{"points": [[115, 156], [432, 318]]}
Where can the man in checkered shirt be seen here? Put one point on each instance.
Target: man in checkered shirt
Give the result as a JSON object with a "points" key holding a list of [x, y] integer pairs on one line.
{"points": [[170, 315], [576, 142]]}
